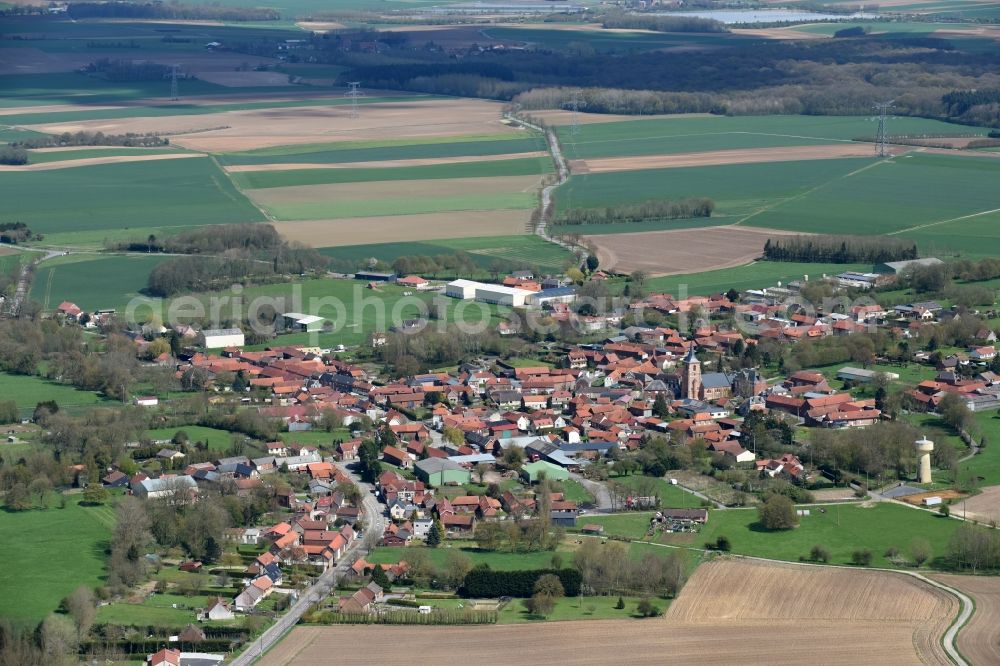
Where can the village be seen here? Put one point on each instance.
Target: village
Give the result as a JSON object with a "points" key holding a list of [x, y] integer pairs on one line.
{"points": [[388, 495]]}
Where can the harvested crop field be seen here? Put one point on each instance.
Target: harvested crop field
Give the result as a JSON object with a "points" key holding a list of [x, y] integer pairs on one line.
{"points": [[426, 161], [233, 131], [984, 507], [717, 157], [680, 251], [400, 197], [431, 226], [979, 640], [888, 618], [909, 615]]}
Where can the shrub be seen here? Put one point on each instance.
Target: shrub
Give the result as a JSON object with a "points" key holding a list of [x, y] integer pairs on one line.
{"points": [[647, 608], [778, 513], [486, 583], [861, 557], [819, 554]]}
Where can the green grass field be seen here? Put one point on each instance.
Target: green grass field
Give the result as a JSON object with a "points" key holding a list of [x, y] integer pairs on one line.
{"points": [[402, 205], [92, 281], [576, 608], [738, 189], [513, 250], [670, 495], [696, 134], [350, 152], [49, 554], [515, 167], [756, 275], [29, 391], [892, 196], [116, 197], [841, 529], [217, 440]]}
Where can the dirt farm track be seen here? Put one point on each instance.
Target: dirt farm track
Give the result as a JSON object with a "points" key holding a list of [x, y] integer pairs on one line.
{"points": [[732, 611]]}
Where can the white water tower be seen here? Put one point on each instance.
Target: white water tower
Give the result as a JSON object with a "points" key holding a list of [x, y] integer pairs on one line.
{"points": [[924, 447]]}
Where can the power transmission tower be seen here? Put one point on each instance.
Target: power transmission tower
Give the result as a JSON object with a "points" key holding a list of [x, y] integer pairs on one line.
{"points": [[174, 92], [354, 93], [882, 135]]}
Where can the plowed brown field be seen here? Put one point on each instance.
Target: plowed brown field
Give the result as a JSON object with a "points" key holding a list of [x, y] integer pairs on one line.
{"points": [[260, 128], [681, 251], [979, 640], [731, 612], [718, 157], [395, 228]]}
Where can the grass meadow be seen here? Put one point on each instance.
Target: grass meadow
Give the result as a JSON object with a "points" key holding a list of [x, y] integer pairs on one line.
{"points": [[842, 529], [892, 196], [92, 281], [292, 177], [29, 391], [116, 197], [217, 440], [50, 553], [685, 134], [352, 152], [513, 250], [403, 205]]}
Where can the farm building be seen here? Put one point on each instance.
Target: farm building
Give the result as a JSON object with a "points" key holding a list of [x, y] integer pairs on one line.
{"points": [[441, 471], [414, 281], [163, 487], [296, 321], [219, 338], [533, 472], [463, 289], [370, 276], [850, 374], [897, 267], [686, 515], [488, 293], [551, 296]]}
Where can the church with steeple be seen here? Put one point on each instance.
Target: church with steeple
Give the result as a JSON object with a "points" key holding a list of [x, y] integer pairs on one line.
{"points": [[691, 376]]}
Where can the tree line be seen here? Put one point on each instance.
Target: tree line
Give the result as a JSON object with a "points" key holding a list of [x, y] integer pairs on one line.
{"points": [[214, 239], [13, 155], [172, 10], [662, 23], [839, 249], [194, 274], [17, 232], [654, 209], [130, 140], [128, 70], [737, 79]]}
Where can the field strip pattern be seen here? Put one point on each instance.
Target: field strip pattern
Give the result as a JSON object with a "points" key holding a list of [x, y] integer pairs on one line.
{"points": [[94, 161], [720, 157], [420, 227], [428, 161]]}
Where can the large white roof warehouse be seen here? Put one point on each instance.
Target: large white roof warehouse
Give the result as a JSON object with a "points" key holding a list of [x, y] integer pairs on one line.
{"points": [[487, 293]]}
